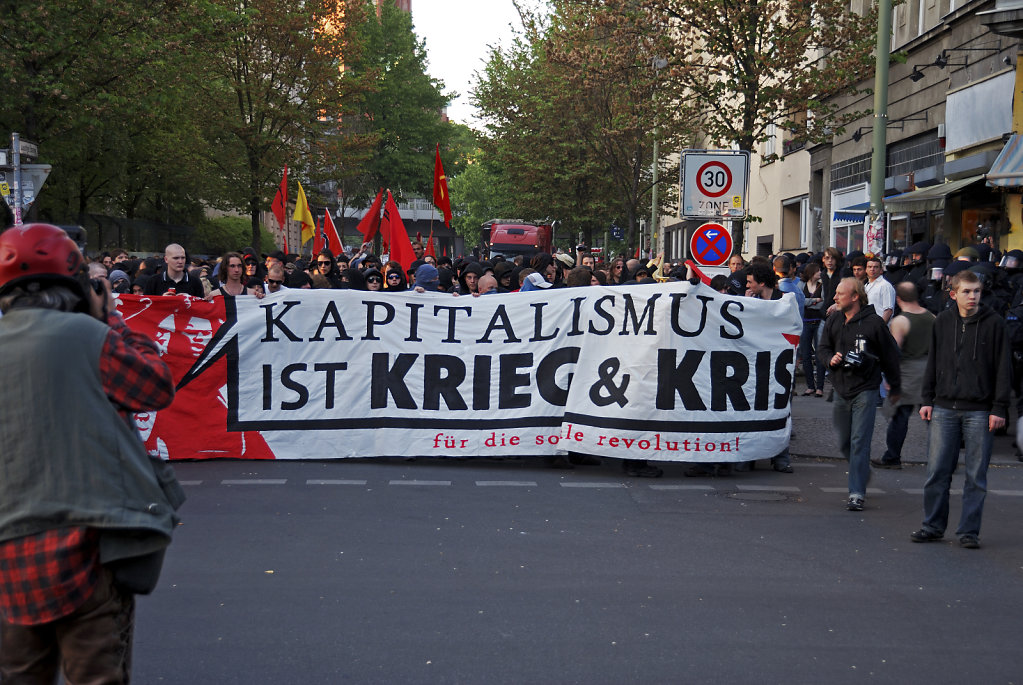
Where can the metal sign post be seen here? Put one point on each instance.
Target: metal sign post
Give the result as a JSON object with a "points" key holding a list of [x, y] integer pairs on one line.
{"points": [[16, 158]]}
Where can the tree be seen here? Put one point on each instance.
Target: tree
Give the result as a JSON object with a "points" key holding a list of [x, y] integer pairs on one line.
{"points": [[97, 86], [754, 63], [572, 108], [400, 114], [280, 91]]}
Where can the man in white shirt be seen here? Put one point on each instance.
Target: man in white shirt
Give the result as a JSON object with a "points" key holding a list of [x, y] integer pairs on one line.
{"points": [[880, 293]]}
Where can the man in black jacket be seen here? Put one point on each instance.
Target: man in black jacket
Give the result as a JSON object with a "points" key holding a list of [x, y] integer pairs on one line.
{"points": [[858, 348], [965, 396]]}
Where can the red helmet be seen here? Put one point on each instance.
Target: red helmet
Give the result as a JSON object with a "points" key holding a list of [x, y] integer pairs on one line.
{"points": [[39, 252]]}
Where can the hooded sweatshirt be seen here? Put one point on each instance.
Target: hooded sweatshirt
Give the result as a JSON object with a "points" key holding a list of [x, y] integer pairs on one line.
{"points": [[865, 331], [968, 367]]}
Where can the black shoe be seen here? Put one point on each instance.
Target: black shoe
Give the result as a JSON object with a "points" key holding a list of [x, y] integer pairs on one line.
{"points": [[723, 470], [969, 541], [855, 503], [644, 471], [583, 459], [782, 468], [699, 471], [558, 462], [924, 535], [881, 464]]}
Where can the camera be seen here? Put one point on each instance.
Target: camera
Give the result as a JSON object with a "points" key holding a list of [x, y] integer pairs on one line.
{"points": [[97, 285], [856, 360]]}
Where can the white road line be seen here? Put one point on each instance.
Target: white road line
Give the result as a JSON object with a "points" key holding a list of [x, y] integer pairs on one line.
{"points": [[256, 481], [506, 483], [920, 491], [419, 482], [814, 465], [1007, 493], [870, 491], [768, 488], [189, 482], [681, 487], [592, 485], [316, 481]]}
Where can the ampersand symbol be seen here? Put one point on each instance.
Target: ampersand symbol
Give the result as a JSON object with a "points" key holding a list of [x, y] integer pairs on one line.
{"points": [[615, 393]]}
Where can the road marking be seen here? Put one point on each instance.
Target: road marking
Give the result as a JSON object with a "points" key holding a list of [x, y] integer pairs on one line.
{"points": [[419, 482], [814, 465], [681, 487], [592, 485], [315, 481], [189, 482], [870, 491], [920, 491], [256, 481], [768, 488], [506, 483], [1007, 493]]}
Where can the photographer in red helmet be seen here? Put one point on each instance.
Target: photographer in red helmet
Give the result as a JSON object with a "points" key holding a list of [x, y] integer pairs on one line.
{"points": [[85, 514]]}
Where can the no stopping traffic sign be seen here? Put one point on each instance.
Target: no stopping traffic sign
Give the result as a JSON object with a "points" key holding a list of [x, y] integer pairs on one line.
{"points": [[711, 245]]}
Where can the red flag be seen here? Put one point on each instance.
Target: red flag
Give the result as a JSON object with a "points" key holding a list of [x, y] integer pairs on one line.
{"points": [[318, 239], [401, 246], [429, 246], [637, 253], [696, 270], [440, 189], [330, 235], [371, 222], [280, 204]]}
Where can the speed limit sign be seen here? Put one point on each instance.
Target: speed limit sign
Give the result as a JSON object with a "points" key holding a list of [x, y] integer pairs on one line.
{"points": [[714, 184]]}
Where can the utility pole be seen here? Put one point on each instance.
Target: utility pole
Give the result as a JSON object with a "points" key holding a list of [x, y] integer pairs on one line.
{"points": [[880, 137]]}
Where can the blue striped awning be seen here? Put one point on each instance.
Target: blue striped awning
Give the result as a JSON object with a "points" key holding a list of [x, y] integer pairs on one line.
{"points": [[1007, 171], [853, 213]]}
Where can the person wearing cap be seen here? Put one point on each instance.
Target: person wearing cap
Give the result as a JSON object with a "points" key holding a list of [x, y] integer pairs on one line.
{"points": [[85, 514], [427, 279], [174, 279], [119, 281], [967, 254], [534, 281]]}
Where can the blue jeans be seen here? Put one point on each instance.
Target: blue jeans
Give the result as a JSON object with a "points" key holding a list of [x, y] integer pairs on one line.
{"points": [[948, 428], [807, 351], [898, 426], [854, 421]]}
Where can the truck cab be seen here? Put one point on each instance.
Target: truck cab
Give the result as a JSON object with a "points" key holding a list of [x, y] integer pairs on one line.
{"points": [[510, 238]]}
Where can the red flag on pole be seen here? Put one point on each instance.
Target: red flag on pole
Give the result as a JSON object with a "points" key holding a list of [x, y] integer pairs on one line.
{"points": [[318, 240], [401, 246], [440, 189], [279, 206], [330, 235], [371, 222], [429, 246]]}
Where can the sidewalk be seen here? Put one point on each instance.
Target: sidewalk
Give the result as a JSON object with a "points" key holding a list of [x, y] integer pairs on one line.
{"points": [[813, 434]]}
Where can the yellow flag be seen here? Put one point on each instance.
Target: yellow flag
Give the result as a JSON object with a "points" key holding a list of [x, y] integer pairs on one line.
{"points": [[303, 214]]}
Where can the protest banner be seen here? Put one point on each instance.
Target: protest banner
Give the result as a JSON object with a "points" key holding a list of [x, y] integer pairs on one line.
{"points": [[671, 372]]}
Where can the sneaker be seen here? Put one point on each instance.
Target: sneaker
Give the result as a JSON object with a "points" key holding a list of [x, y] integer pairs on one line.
{"points": [[781, 468], [924, 535], [855, 503], [644, 471], [969, 541], [886, 464]]}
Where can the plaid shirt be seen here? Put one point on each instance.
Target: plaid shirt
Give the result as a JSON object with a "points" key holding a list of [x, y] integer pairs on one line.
{"points": [[47, 576]]}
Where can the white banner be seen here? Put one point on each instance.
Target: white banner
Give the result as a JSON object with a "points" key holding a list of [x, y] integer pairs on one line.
{"points": [[674, 372]]}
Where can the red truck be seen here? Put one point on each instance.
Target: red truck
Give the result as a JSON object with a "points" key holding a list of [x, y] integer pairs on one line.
{"points": [[510, 238]]}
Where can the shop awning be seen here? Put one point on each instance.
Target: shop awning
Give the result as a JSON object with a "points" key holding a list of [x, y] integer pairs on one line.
{"points": [[853, 213], [1007, 171], [929, 198]]}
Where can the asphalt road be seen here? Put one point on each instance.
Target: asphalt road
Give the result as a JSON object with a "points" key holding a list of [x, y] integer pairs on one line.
{"points": [[440, 571]]}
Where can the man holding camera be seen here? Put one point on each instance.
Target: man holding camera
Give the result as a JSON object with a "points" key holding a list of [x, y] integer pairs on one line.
{"points": [[858, 346]]}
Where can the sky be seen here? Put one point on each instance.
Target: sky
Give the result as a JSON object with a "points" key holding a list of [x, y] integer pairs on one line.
{"points": [[457, 33]]}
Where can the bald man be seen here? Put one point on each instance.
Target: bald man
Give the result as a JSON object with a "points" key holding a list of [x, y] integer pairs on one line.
{"points": [[174, 279]]}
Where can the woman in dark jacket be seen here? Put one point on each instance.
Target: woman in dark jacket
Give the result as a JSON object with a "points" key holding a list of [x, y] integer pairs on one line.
{"points": [[326, 274]]}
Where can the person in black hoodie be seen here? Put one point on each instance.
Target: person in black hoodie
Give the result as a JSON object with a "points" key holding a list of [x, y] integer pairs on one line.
{"points": [[858, 346], [965, 398]]}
